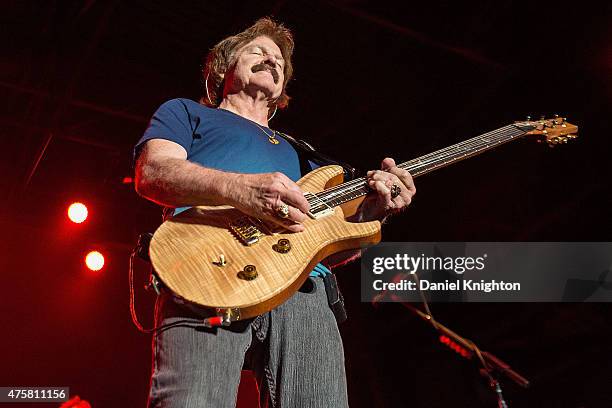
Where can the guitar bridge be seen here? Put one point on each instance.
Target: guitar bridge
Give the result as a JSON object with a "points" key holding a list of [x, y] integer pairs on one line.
{"points": [[247, 230]]}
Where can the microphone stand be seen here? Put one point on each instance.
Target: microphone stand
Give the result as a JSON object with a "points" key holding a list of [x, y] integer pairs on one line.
{"points": [[490, 363]]}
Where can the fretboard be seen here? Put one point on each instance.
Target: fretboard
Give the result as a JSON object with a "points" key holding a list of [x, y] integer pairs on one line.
{"points": [[353, 189]]}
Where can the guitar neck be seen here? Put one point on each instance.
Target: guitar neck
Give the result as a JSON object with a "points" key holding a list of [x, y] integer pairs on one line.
{"points": [[463, 150], [354, 189]]}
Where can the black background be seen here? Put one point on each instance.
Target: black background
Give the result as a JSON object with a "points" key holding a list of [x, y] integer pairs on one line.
{"points": [[371, 79]]}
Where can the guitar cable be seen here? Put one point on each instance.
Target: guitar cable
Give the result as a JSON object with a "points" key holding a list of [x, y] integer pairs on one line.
{"points": [[141, 250]]}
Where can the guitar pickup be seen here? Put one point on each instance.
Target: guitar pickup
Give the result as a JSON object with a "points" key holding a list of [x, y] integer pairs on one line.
{"points": [[318, 208]]}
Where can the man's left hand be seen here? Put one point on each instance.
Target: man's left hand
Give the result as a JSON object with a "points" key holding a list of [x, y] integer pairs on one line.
{"points": [[381, 202]]}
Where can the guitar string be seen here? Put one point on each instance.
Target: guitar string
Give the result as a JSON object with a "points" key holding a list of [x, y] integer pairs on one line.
{"points": [[462, 147], [442, 152], [485, 141], [455, 151], [478, 145], [481, 144], [467, 146]]}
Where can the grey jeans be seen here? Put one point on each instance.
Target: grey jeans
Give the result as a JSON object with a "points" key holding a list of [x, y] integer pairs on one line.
{"points": [[294, 350]]}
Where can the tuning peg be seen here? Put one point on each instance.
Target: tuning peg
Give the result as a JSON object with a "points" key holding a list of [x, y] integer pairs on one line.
{"points": [[528, 119], [556, 115]]}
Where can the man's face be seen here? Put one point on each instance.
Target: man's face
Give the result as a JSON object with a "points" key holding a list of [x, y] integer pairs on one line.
{"points": [[259, 67]]}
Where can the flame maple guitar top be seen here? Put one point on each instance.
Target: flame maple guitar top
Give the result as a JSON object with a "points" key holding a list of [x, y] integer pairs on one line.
{"points": [[185, 253]]}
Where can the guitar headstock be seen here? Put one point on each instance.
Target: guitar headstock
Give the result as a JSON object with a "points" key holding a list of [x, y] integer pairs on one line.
{"points": [[552, 131]]}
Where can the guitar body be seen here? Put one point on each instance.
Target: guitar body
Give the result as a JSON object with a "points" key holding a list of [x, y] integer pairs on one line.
{"points": [[188, 250]]}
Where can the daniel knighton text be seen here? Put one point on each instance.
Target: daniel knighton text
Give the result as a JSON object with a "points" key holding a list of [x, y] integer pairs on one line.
{"points": [[487, 272]]}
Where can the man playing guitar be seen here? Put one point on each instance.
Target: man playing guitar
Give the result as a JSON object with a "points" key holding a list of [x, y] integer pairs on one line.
{"points": [[222, 151]]}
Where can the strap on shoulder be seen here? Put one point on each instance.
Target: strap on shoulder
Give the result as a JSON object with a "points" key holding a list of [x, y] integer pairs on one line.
{"points": [[305, 150]]}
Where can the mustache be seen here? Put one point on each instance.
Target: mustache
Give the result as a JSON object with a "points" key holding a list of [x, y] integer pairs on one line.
{"points": [[265, 67]]}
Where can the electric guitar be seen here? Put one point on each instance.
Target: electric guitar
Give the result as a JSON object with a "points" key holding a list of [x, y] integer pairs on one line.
{"points": [[223, 259]]}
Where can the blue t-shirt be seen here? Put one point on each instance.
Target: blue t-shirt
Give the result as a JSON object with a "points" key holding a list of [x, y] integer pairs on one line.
{"points": [[222, 140]]}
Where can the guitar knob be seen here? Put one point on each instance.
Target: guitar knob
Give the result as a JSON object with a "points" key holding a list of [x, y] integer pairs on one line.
{"points": [[283, 246], [248, 273]]}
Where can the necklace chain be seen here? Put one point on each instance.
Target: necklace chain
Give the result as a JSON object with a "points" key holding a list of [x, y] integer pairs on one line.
{"points": [[271, 138]]}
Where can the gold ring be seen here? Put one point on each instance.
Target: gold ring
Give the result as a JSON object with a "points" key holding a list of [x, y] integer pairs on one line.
{"points": [[395, 190], [283, 211]]}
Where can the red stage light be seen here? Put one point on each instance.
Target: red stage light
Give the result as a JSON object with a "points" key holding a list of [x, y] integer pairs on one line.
{"points": [[77, 212], [94, 260], [76, 402]]}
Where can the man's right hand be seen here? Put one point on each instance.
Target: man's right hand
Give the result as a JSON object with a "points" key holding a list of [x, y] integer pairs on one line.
{"points": [[261, 195], [165, 176]]}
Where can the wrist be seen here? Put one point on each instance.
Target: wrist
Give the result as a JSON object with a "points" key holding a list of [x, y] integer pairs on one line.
{"points": [[229, 186]]}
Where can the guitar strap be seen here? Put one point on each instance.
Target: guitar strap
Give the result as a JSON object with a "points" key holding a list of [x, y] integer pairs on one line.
{"points": [[307, 153]]}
